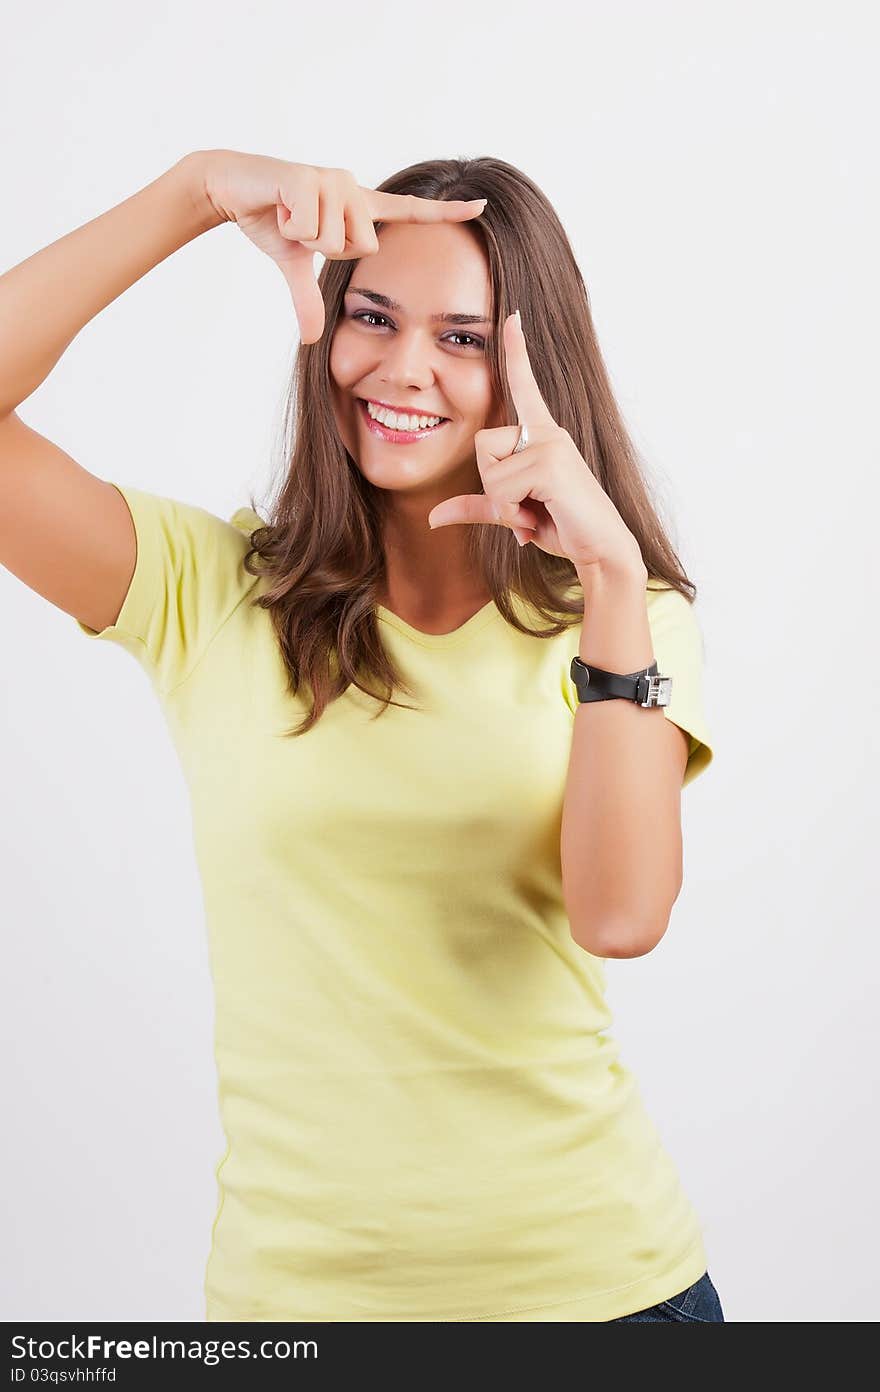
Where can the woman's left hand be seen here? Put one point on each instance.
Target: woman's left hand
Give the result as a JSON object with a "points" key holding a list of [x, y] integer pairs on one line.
{"points": [[567, 511]]}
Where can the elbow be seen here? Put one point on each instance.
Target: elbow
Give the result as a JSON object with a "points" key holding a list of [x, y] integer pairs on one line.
{"points": [[627, 931], [626, 936]]}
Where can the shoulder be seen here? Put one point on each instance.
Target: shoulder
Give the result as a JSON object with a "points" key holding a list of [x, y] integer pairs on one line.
{"points": [[246, 521], [669, 609]]}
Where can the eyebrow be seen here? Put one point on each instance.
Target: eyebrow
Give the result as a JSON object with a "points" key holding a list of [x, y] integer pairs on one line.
{"points": [[446, 318]]}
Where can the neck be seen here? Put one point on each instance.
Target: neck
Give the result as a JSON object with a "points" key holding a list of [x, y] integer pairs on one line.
{"points": [[427, 571]]}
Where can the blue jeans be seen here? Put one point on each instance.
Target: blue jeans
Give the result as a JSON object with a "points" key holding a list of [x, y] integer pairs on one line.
{"points": [[699, 1304]]}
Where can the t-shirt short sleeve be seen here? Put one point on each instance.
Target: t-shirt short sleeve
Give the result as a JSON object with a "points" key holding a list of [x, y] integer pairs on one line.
{"points": [[678, 647], [677, 642], [188, 579]]}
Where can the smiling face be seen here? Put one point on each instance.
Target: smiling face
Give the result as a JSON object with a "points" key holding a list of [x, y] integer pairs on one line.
{"points": [[419, 357]]}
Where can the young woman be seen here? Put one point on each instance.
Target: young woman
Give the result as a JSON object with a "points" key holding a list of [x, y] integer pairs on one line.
{"points": [[409, 902]]}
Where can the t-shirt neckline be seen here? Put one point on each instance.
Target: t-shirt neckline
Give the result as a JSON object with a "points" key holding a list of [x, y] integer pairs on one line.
{"points": [[474, 624]]}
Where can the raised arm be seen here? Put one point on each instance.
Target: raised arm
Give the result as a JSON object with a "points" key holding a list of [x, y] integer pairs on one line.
{"points": [[67, 534]]}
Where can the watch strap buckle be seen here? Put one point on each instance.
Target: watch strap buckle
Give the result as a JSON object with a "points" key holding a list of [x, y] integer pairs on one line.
{"points": [[655, 689]]}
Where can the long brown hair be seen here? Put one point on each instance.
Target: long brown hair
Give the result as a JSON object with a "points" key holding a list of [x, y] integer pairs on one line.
{"points": [[321, 548]]}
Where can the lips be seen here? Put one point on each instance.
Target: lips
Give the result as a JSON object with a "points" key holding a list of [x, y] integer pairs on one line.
{"points": [[397, 437]]}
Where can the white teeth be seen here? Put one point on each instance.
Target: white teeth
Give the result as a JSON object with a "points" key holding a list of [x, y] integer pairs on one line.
{"points": [[401, 422]]}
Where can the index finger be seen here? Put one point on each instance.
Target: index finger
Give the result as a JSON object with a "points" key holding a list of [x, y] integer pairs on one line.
{"points": [[408, 207]]}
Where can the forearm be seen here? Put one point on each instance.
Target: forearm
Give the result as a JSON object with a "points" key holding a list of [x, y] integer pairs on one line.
{"points": [[46, 299], [621, 824]]}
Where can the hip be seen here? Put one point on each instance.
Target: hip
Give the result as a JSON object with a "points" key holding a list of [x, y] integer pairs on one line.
{"points": [[697, 1304]]}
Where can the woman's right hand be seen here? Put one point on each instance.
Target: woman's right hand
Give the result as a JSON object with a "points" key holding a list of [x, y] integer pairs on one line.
{"points": [[290, 211]]}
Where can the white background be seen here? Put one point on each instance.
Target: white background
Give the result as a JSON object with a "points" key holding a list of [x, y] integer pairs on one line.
{"points": [[713, 165]]}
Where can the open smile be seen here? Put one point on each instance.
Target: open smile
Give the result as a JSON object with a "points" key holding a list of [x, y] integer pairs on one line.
{"points": [[396, 437]]}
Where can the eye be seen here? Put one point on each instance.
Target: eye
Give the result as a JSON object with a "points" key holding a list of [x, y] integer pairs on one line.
{"points": [[365, 314], [480, 342], [369, 314]]}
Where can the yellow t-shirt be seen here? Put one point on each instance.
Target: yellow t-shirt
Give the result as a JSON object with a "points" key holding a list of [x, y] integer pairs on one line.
{"points": [[425, 1117]]}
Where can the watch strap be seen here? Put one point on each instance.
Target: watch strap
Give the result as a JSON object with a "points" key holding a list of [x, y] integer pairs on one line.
{"points": [[646, 686]]}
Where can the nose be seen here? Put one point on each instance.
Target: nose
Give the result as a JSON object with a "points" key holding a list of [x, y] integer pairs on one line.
{"points": [[408, 360]]}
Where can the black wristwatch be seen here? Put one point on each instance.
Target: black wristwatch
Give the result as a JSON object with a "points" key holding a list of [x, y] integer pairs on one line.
{"points": [[646, 687]]}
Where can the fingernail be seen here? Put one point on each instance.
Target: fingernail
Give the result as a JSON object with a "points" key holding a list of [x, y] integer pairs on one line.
{"points": [[518, 317], [520, 543]]}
